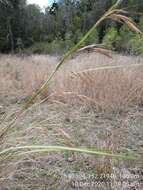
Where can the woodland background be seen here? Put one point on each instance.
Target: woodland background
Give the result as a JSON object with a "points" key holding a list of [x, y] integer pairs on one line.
{"points": [[28, 29]]}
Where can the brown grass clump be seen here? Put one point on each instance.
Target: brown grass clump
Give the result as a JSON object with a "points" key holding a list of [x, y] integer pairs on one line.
{"points": [[78, 82], [19, 76], [110, 90]]}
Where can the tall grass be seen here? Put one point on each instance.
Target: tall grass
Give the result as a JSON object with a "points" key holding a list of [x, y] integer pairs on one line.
{"points": [[88, 79], [113, 13]]}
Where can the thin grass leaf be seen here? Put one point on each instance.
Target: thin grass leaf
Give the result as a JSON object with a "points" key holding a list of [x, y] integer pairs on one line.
{"points": [[134, 27], [22, 150], [108, 68], [67, 139], [116, 5], [80, 96], [95, 48], [64, 134], [117, 11], [102, 51]]}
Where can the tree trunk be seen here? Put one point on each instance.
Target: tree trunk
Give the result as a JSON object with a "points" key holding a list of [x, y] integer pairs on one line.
{"points": [[11, 36]]}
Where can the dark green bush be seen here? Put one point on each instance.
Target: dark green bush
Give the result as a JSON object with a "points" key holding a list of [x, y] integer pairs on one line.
{"points": [[57, 47], [111, 38], [130, 41]]}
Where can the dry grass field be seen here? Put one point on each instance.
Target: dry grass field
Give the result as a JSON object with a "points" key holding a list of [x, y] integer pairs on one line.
{"points": [[78, 82], [82, 106]]}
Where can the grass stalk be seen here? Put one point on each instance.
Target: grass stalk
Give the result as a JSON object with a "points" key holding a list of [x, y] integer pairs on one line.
{"points": [[69, 53], [22, 150]]}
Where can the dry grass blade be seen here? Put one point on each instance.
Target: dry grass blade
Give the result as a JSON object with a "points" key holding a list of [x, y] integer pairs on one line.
{"points": [[121, 18], [88, 48], [66, 137], [117, 11], [107, 68], [95, 48], [103, 51], [80, 96]]}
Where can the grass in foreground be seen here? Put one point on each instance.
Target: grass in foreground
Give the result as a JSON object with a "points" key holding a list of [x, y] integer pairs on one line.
{"points": [[112, 13]]}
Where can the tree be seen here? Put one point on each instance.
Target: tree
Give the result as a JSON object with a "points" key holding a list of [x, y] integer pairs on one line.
{"points": [[10, 21], [65, 20]]}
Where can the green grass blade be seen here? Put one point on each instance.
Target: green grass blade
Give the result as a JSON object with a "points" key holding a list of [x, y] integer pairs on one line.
{"points": [[43, 149]]}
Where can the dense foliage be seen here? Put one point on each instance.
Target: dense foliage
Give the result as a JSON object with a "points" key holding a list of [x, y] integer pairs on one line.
{"points": [[27, 28]]}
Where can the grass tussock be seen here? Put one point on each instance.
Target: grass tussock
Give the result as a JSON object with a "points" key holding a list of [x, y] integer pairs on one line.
{"points": [[78, 83]]}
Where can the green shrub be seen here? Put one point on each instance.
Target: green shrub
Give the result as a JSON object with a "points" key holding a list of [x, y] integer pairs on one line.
{"points": [[111, 38], [136, 44], [38, 48], [141, 23], [130, 41], [56, 47], [93, 38]]}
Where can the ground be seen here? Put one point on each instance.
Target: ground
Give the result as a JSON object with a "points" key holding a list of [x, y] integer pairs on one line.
{"points": [[75, 123]]}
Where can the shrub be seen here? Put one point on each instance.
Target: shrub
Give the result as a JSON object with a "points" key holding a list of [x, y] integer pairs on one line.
{"points": [[111, 38], [56, 47], [93, 38], [130, 41]]}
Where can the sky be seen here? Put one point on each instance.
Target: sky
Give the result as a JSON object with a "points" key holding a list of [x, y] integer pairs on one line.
{"points": [[41, 3]]}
